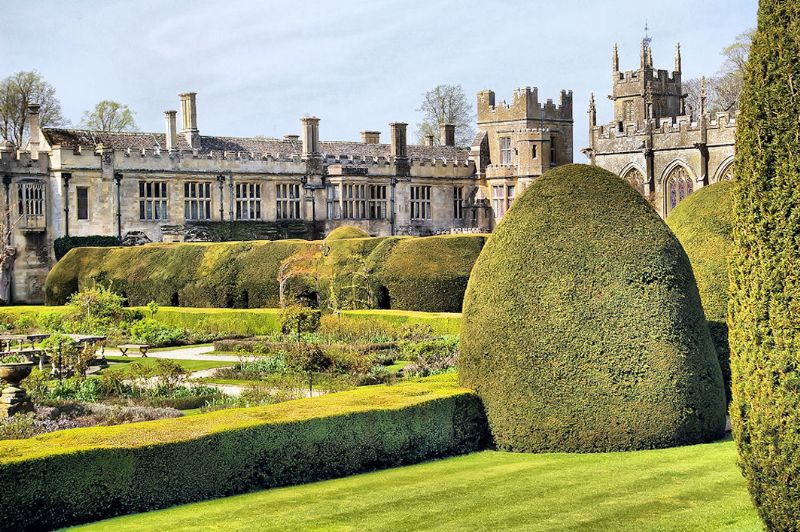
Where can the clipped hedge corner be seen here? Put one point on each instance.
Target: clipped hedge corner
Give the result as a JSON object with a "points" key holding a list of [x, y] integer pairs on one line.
{"points": [[582, 327], [79, 475]]}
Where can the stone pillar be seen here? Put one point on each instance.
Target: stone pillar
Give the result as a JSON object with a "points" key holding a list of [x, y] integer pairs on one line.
{"points": [[447, 134], [34, 130], [189, 114], [310, 136], [429, 140], [371, 137], [171, 130]]}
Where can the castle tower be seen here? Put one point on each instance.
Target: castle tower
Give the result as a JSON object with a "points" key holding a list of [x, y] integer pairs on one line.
{"points": [[646, 93]]}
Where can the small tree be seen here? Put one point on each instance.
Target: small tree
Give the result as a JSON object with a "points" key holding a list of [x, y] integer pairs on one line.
{"points": [[298, 319], [19, 90], [303, 264], [446, 104], [109, 115], [764, 306], [308, 358]]}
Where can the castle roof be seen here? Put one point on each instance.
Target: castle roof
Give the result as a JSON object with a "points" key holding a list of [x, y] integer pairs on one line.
{"points": [[86, 139]]}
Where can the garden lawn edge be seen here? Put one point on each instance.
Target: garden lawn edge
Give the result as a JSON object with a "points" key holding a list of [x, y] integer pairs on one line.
{"points": [[79, 475]]}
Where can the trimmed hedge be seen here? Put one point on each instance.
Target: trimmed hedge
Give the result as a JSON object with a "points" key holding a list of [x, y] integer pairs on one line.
{"points": [[582, 327], [764, 311], [347, 231], [703, 223], [79, 475], [63, 244], [425, 274]]}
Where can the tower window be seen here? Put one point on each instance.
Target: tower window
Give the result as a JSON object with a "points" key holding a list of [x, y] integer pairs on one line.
{"points": [[533, 151], [505, 150], [83, 202], [552, 151]]}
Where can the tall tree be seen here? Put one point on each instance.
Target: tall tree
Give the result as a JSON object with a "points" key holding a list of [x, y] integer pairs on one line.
{"points": [[109, 115], [446, 104], [764, 309], [724, 88], [16, 93]]}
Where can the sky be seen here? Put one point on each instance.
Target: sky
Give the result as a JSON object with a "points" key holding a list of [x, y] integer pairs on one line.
{"points": [[259, 66]]}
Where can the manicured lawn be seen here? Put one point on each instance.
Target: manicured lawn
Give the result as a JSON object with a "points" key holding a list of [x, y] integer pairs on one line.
{"points": [[118, 363], [687, 488]]}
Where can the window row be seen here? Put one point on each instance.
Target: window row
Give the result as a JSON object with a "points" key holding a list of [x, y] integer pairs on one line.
{"points": [[371, 202]]}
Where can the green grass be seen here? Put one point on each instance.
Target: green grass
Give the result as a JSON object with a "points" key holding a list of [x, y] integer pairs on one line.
{"points": [[685, 488], [119, 363], [398, 365]]}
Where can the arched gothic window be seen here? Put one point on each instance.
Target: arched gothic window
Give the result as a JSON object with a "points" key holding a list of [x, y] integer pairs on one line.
{"points": [[677, 186], [635, 178], [727, 175]]}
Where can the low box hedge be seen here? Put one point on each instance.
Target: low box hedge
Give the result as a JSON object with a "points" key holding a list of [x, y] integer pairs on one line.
{"points": [[79, 475]]}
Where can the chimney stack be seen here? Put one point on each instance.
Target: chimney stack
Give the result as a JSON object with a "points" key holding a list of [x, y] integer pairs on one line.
{"points": [[34, 130], [429, 138], [189, 114], [371, 137], [447, 134], [398, 150], [171, 130], [310, 136]]}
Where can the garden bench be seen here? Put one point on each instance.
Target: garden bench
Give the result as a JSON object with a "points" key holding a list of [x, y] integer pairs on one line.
{"points": [[141, 347]]}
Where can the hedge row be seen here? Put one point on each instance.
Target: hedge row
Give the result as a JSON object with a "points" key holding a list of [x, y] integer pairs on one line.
{"points": [[425, 274], [79, 475], [63, 244]]}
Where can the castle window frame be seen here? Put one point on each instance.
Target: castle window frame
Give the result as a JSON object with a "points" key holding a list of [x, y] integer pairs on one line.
{"points": [[197, 200], [288, 201], [505, 150], [458, 203], [678, 185], [533, 151], [31, 204], [332, 193], [82, 202], [421, 202], [553, 151], [354, 201], [499, 200], [248, 201], [378, 201], [153, 200]]}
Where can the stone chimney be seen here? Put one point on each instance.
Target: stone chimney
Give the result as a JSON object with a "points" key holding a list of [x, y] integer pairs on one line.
{"points": [[189, 114], [398, 150], [447, 134], [429, 140], [34, 130], [171, 130], [371, 137], [291, 137], [310, 136]]}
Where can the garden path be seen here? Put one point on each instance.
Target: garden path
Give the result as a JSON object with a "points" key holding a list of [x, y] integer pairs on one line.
{"points": [[198, 352]]}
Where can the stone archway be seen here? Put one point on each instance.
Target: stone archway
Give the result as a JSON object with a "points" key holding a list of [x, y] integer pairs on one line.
{"points": [[726, 172], [635, 178]]}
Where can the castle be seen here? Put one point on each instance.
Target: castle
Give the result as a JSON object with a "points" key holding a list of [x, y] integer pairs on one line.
{"points": [[652, 142], [183, 186]]}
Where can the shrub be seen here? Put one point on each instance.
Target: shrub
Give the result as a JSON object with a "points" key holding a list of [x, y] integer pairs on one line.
{"points": [[583, 328], [703, 224], [765, 278], [427, 274], [297, 319], [346, 231], [153, 332], [63, 244], [86, 474]]}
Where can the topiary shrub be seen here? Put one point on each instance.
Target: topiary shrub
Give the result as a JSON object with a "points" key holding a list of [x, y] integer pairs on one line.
{"points": [[582, 325], [764, 312], [63, 244], [703, 223], [428, 274], [346, 231]]}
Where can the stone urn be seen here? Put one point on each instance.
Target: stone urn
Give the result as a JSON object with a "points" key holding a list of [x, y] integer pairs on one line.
{"points": [[14, 399]]}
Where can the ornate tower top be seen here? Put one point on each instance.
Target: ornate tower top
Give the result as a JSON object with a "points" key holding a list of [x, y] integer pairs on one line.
{"points": [[615, 59], [678, 57]]}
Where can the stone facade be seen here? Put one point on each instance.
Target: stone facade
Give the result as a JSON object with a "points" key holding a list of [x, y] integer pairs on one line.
{"points": [[183, 186], [653, 143]]}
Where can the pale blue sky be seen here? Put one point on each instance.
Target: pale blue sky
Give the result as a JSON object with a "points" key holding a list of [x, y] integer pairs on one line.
{"points": [[259, 66]]}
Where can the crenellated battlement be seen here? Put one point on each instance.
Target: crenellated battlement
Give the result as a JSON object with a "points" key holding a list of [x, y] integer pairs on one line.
{"points": [[661, 76], [524, 105], [666, 126]]}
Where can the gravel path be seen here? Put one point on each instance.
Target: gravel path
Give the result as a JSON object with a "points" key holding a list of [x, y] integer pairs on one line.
{"points": [[183, 353]]}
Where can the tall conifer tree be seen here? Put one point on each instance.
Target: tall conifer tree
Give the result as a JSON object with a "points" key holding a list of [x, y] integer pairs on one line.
{"points": [[764, 310]]}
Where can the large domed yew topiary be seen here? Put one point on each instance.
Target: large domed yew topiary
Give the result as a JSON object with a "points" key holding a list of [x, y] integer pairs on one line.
{"points": [[346, 231], [582, 327], [703, 223]]}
